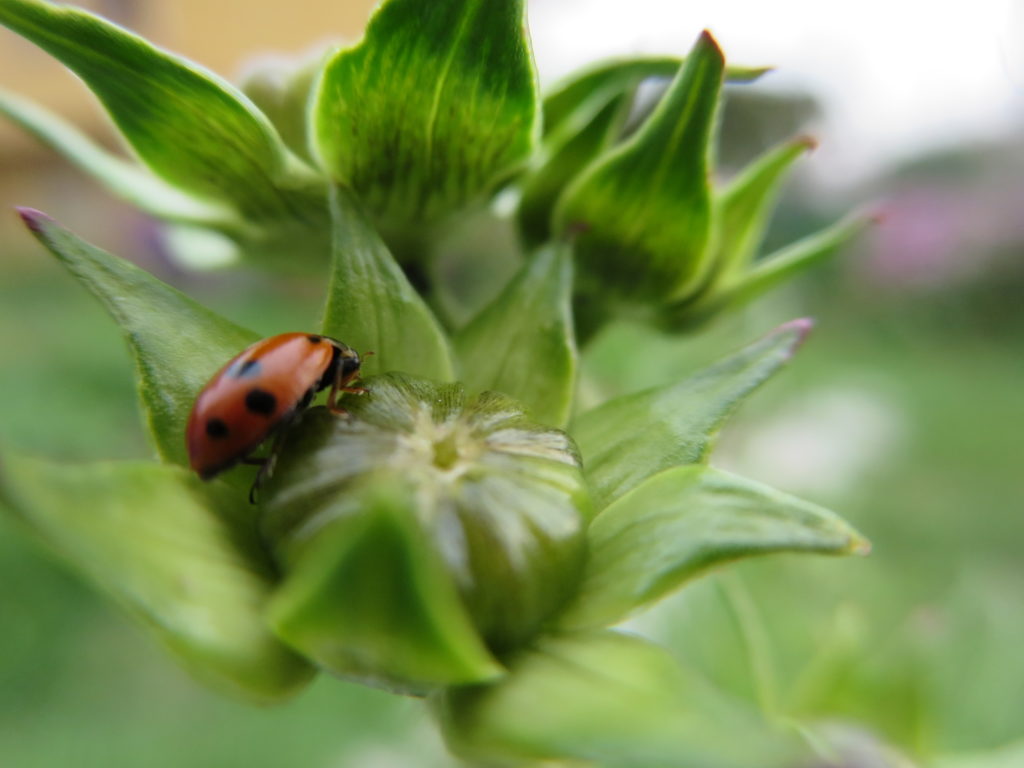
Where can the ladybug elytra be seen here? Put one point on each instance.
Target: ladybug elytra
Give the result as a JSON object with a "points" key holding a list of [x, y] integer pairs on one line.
{"points": [[259, 391]]}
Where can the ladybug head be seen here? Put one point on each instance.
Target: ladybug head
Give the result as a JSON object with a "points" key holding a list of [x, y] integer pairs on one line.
{"points": [[349, 363], [346, 361]]}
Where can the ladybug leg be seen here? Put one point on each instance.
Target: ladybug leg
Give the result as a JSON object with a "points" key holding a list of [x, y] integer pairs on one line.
{"points": [[343, 382], [254, 488], [332, 400], [266, 466], [261, 463], [340, 384], [266, 469]]}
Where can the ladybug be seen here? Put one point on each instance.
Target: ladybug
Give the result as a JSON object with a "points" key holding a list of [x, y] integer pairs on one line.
{"points": [[261, 390]]}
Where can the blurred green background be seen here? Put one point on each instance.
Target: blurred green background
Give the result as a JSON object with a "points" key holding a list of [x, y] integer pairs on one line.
{"points": [[903, 412]]}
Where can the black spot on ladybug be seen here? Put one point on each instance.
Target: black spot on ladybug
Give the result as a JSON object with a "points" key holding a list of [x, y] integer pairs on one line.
{"points": [[217, 429], [260, 401], [247, 369], [315, 339]]}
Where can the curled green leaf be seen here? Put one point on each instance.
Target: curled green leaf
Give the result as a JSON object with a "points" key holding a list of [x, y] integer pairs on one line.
{"points": [[191, 128], [124, 179], [631, 438], [436, 106], [177, 344], [371, 305], [181, 557], [641, 213], [683, 522], [522, 343]]}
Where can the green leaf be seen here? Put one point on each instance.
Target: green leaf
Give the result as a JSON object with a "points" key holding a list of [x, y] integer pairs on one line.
{"points": [[591, 131], [178, 555], [745, 205], [371, 600], [766, 273], [193, 129], [177, 344], [618, 76], [434, 108], [786, 262], [642, 211], [500, 498], [681, 523], [522, 343], [371, 305], [607, 697], [124, 179], [631, 438]]}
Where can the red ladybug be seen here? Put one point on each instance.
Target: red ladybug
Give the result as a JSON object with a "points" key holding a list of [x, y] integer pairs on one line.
{"points": [[260, 390]]}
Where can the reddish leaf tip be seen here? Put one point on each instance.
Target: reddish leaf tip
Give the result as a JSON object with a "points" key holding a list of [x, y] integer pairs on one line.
{"points": [[860, 547], [802, 326], [707, 39], [33, 219], [808, 142], [877, 216]]}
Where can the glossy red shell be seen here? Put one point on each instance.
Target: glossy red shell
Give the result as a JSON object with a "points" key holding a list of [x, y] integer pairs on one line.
{"points": [[251, 395]]}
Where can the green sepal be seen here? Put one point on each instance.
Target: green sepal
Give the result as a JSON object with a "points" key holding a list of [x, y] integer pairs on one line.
{"points": [[125, 179], [522, 344], [786, 262], [618, 76], [641, 213], [612, 698], [593, 129], [192, 128], [631, 438], [500, 497], [371, 305], [745, 205], [283, 91], [435, 107], [679, 524], [766, 273], [371, 600], [180, 556], [177, 344]]}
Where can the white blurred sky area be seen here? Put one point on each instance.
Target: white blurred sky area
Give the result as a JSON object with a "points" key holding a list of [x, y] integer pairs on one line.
{"points": [[895, 77]]}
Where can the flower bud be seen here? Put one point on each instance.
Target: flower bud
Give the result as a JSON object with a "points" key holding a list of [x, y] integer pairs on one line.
{"points": [[462, 513]]}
